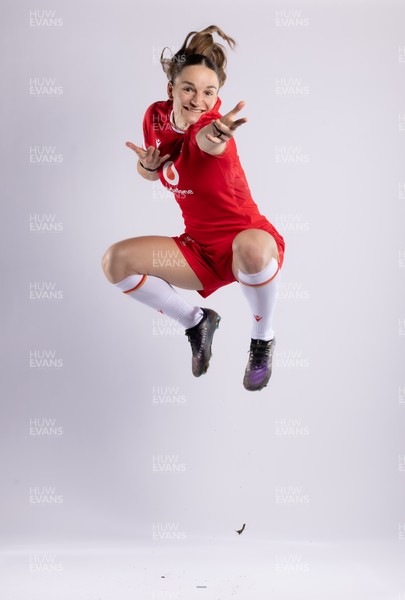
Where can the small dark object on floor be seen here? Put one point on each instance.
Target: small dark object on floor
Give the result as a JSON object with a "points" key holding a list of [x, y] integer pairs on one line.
{"points": [[239, 531], [201, 586]]}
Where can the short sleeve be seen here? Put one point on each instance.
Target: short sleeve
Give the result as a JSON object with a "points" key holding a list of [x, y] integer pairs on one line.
{"points": [[147, 123]]}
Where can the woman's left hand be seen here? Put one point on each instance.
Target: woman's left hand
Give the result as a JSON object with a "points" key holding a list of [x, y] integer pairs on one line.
{"points": [[223, 129]]}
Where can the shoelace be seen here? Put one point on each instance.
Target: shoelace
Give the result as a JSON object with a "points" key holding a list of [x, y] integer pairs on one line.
{"points": [[258, 353], [197, 339]]}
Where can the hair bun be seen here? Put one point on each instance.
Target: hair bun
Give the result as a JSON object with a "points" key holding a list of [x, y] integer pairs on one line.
{"points": [[201, 44]]}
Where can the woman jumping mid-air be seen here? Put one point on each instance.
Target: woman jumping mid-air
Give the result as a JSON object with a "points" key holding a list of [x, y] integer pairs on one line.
{"points": [[191, 149]]}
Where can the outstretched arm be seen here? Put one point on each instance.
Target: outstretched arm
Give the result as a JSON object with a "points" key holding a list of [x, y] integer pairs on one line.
{"points": [[149, 161], [213, 137]]}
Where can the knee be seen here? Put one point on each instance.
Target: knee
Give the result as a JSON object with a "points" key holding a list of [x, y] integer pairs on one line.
{"points": [[113, 261], [251, 254]]}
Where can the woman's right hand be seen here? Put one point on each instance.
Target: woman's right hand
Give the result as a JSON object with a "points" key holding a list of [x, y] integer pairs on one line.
{"points": [[150, 158]]}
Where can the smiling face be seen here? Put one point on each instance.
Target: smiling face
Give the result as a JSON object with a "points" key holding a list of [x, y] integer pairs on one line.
{"points": [[194, 92]]}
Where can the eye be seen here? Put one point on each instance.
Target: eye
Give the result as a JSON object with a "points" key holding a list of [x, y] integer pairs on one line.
{"points": [[187, 89], [209, 93]]}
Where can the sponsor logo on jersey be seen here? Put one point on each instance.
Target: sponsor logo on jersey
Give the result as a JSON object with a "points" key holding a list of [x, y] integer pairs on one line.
{"points": [[170, 173], [172, 177]]}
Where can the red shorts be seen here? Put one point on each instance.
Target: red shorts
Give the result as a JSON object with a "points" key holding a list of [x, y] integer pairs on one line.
{"points": [[213, 263]]}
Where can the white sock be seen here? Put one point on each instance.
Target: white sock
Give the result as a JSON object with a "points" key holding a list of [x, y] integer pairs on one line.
{"points": [[260, 289], [158, 294]]}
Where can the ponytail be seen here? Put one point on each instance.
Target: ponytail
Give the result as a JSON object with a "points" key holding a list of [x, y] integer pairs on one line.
{"points": [[199, 48]]}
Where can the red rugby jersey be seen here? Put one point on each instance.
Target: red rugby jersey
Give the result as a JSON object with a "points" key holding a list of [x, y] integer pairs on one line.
{"points": [[212, 191]]}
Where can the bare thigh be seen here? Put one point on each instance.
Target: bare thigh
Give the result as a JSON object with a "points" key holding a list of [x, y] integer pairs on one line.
{"points": [[150, 255]]}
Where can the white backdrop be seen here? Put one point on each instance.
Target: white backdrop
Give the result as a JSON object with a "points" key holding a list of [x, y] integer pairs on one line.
{"points": [[114, 437]]}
